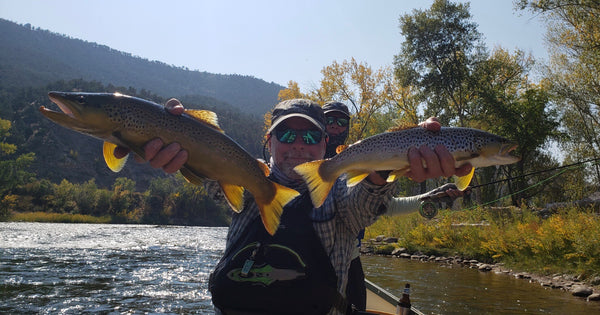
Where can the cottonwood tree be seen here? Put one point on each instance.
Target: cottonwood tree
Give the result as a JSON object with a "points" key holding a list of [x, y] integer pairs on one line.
{"points": [[574, 46]]}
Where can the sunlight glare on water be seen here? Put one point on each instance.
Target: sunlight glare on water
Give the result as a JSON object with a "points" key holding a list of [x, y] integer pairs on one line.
{"points": [[71, 268]]}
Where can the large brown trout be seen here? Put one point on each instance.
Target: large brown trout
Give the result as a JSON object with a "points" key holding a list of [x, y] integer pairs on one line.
{"points": [[132, 122], [389, 151]]}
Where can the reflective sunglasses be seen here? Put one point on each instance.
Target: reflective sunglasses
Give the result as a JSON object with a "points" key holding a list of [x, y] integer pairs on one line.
{"points": [[289, 135], [342, 122]]}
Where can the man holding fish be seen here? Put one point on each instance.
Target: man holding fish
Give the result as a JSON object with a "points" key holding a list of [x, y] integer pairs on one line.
{"points": [[296, 136]]}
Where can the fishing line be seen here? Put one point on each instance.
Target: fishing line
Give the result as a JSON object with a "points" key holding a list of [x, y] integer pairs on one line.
{"points": [[428, 209], [534, 173]]}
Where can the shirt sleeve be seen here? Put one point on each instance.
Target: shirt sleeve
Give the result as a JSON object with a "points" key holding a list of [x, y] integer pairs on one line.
{"points": [[360, 205]]}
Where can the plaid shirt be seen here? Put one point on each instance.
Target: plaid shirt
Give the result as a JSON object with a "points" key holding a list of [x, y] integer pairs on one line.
{"points": [[346, 211]]}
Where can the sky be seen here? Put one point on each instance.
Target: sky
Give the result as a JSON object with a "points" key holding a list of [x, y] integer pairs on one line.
{"points": [[277, 41]]}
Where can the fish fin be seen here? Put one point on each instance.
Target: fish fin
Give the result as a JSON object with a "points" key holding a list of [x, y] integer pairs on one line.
{"points": [[234, 195], [395, 174], [355, 177], [341, 148], [463, 182], [192, 177], [264, 167], [205, 116], [318, 187], [115, 165], [270, 213]]}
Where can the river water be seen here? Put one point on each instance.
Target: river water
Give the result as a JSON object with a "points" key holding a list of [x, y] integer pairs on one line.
{"points": [[134, 269]]}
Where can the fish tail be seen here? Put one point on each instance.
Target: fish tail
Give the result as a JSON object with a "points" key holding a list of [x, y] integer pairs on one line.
{"points": [[318, 186], [270, 212]]}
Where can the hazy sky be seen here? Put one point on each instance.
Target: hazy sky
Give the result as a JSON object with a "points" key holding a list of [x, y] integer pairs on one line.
{"points": [[276, 41]]}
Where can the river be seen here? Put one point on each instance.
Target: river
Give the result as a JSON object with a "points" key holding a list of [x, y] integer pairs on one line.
{"points": [[50, 268]]}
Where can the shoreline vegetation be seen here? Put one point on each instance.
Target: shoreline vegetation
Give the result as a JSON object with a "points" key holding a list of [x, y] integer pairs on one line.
{"points": [[560, 250]]}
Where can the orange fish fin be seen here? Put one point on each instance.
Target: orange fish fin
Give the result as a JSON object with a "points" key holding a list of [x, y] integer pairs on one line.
{"points": [[205, 116], [319, 188], [395, 174], [234, 195], [264, 167], [115, 165], [341, 148], [270, 212], [355, 177], [192, 177], [463, 182]]}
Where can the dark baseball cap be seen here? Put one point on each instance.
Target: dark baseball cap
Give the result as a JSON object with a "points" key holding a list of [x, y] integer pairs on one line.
{"points": [[336, 107], [299, 107]]}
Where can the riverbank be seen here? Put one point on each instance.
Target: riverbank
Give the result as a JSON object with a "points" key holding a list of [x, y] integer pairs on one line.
{"points": [[588, 289]]}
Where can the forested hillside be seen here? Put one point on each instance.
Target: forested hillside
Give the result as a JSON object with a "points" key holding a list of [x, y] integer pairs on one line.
{"points": [[32, 57]]}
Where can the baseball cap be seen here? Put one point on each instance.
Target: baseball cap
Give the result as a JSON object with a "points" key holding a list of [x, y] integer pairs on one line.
{"points": [[336, 107], [299, 107]]}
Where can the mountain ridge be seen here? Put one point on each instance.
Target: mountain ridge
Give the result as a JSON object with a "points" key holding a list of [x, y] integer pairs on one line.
{"points": [[33, 57]]}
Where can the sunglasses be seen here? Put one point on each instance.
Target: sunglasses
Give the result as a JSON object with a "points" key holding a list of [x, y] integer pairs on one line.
{"points": [[342, 122], [289, 135]]}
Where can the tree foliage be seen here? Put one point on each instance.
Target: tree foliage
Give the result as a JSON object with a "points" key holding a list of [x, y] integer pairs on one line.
{"points": [[572, 75], [442, 47]]}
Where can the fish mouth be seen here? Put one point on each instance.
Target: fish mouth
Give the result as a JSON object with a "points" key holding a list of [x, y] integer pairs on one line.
{"points": [[504, 153], [60, 100], [72, 106]]}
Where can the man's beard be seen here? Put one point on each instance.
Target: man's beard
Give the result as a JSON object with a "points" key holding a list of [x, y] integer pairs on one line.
{"points": [[293, 159], [334, 142]]}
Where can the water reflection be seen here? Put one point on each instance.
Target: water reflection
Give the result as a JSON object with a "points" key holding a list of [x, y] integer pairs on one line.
{"points": [[439, 289]]}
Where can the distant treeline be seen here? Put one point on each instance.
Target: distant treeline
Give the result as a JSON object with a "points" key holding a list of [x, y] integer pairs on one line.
{"points": [[167, 201]]}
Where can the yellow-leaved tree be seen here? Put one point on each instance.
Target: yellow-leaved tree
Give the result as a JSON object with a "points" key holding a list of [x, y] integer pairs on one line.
{"points": [[375, 99]]}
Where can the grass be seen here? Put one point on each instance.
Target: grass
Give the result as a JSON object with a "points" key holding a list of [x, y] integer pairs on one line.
{"points": [[567, 242], [57, 218]]}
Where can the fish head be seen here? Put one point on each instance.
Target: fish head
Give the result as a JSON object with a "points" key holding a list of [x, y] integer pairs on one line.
{"points": [[83, 112], [493, 150]]}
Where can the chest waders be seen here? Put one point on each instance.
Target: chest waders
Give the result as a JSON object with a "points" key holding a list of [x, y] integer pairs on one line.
{"points": [[287, 273]]}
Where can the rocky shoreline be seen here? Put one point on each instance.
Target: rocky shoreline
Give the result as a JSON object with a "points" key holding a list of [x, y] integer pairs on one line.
{"points": [[589, 290]]}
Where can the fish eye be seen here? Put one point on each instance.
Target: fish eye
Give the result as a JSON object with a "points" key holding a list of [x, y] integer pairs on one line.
{"points": [[81, 100]]}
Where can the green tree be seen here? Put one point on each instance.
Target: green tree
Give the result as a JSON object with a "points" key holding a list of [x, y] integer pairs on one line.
{"points": [[574, 42], [507, 103], [13, 171], [441, 48]]}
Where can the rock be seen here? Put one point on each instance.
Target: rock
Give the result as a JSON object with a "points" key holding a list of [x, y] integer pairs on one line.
{"points": [[398, 251], [594, 297], [484, 267], [391, 240], [405, 255], [581, 290], [595, 281], [380, 238]]}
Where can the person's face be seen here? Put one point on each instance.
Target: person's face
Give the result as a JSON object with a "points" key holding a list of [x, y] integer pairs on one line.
{"points": [[334, 128], [288, 155]]}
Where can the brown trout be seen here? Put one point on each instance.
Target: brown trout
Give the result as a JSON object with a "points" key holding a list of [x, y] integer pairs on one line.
{"points": [[131, 122], [389, 151]]}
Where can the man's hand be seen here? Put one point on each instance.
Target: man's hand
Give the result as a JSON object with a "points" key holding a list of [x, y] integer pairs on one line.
{"points": [[426, 163], [170, 158], [446, 193]]}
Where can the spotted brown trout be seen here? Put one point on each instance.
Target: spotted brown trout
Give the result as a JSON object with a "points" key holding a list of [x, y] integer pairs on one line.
{"points": [[389, 151], [131, 122]]}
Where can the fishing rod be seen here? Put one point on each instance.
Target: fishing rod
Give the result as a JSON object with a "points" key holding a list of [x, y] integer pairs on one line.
{"points": [[429, 208], [535, 173]]}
